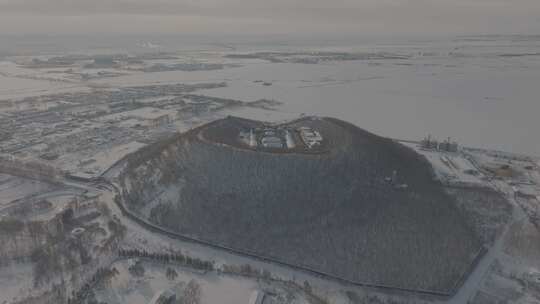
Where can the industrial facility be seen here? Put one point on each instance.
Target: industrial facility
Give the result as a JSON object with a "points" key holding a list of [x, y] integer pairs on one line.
{"points": [[310, 137], [447, 145], [282, 138]]}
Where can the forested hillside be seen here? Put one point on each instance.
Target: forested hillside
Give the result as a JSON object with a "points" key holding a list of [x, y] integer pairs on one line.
{"points": [[334, 212]]}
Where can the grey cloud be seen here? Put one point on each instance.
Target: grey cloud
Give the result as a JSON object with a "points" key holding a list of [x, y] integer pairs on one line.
{"points": [[366, 15]]}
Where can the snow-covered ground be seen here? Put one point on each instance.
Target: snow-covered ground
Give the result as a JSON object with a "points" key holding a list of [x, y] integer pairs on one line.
{"points": [[13, 188], [126, 288], [103, 160], [481, 92], [450, 167], [15, 280], [17, 83]]}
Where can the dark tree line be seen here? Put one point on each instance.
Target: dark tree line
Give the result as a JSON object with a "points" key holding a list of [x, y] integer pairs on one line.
{"points": [[247, 270], [178, 258], [102, 274]]}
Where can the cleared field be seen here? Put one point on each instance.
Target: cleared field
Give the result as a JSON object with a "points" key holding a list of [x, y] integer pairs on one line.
{"points": [[334, 212]]}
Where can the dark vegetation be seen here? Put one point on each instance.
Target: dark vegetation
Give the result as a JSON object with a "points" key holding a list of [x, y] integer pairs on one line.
{"points": [[334, 212], [177, 258], [485, 210], [59, 256], [86, 295], [171, 274], [137, 269], [19, 239]]}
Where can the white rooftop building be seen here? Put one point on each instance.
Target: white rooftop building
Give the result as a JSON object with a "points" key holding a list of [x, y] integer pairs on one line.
{"points": [[310, 137], [272, 142]]}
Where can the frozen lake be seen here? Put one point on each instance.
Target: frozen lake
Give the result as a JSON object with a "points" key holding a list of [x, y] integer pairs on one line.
{"points": [[481, 102], [482, 93]]}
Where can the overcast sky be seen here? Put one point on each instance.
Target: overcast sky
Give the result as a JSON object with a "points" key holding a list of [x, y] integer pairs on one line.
{"points": [[270, 16]]}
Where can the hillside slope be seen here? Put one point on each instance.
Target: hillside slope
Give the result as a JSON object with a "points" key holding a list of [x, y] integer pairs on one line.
{"points": [[332, 212]]}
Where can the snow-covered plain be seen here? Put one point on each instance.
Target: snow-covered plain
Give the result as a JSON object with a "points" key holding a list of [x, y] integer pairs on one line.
{"points": [[13, 188], [481, 91], [214, 289]]}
